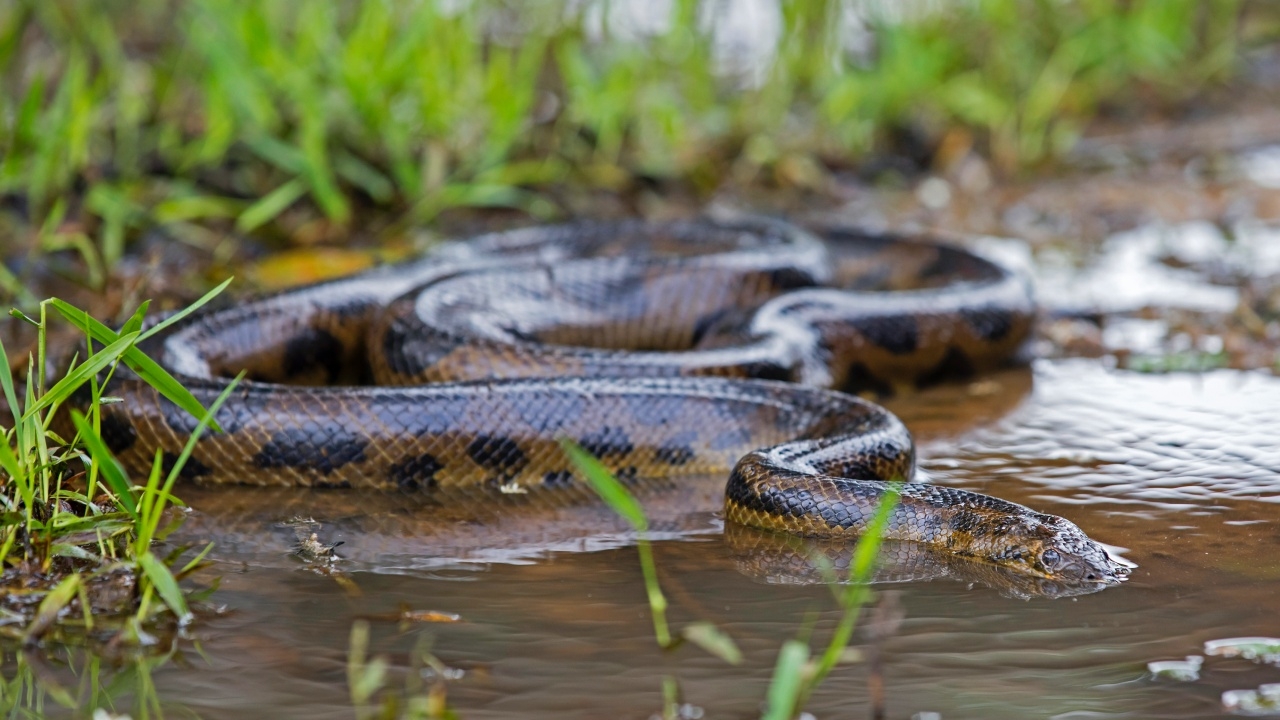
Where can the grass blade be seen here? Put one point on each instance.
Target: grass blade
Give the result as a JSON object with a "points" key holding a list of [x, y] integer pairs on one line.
{"points": [[162, 580], [624, 503], [274, 203], [713, 640], [134, 323], [788, 680], [92, 366], [50, 606], [184, 312], [146, 368], [606, 485], [6, 382], [868, 547], [9, 462], [111, 470]]}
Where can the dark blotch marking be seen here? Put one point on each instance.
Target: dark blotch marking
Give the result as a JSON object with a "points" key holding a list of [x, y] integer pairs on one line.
{"points": [[767, 371], [898, 334], [180, 421], [311, 349], [416, 472], [858, 379], [675, 454], [954, 365], [191, 469], [327, 485], [118, 431], [627, 474], [496, 453], [558, 478], [311, 449], [791, 278], [720, 322], [519, 335], [609, 441], [989, 324]]}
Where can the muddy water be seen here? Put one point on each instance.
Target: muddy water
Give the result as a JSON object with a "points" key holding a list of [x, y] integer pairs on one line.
{"points": [[1178, 470]]}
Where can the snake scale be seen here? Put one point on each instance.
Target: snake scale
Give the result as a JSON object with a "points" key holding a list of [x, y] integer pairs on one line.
{"points": [[665, 349]]}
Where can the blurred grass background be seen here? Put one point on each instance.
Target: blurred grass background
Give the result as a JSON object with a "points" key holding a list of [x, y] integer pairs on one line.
{"points": [[311, 121]]}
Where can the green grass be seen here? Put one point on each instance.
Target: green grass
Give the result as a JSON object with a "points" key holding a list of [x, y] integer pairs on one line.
{"points": [[71, 520], [300, 121], [81, 682], [372, 696]]}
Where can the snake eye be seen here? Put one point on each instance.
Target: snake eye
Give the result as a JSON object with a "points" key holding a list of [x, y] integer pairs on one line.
{"points": [[1050, 558]]}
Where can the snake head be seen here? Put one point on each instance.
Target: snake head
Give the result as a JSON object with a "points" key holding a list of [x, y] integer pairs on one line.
{"points": [[1055, 548]]}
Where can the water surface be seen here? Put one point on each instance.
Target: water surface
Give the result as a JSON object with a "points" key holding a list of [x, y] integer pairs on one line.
{"points": [[1178, 471]]}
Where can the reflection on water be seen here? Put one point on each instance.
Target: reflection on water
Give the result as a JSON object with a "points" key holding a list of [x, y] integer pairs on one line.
{"points": [[1178, 470], [779, 559]]}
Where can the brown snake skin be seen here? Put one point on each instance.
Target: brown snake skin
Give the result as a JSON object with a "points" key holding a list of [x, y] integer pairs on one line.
{"points": [[664, 349]]}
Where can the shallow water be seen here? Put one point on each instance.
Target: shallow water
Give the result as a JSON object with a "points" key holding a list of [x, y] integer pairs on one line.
{"points": [[1179, 471]]}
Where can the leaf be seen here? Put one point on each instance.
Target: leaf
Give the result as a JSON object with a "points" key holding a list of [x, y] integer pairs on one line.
{"points": [[134, 323], [271, 205], [50, 606], [364, 676], [365, 176], [162, 580], [606, 485], [195, 208], [146, 368], [9, 462], [107, 464], [713, 640], [787, 682], [73, 551], [196, 563], [184, 312], [73, 380], [6, 382]]}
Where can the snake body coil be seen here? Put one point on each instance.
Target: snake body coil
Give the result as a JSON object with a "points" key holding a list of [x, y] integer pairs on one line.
{"points": [[663, 349]]}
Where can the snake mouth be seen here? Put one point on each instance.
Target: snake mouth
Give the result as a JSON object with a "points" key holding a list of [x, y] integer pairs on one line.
{"points": [[1088, 573], [1097, 567]]}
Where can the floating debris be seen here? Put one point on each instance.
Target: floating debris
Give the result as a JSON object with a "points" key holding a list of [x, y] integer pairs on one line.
{"points": [[308, 546], [1257, 649], [1187, 670], [409, 615], [1263, 702]]}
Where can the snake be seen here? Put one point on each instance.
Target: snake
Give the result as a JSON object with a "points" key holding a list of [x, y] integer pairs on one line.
{"points": [[664, 349]]}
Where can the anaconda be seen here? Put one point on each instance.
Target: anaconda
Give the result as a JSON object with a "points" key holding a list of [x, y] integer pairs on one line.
{"points": [[663, 349]]}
